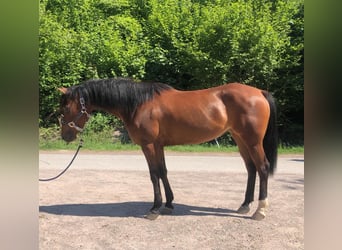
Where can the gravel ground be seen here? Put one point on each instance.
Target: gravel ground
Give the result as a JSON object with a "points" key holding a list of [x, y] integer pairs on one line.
{"points": [[100, 203]]}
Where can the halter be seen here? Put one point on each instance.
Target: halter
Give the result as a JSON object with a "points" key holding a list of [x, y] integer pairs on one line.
{"points": [[72, 124]]}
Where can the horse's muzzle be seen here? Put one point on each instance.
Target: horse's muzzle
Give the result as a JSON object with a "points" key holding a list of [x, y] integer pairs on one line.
{"points": [[69, 136]]}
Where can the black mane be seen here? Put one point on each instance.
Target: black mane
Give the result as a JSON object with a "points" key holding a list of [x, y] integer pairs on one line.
{"points": [[124, 94]]}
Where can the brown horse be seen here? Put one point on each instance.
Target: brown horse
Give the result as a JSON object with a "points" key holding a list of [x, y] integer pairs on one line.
{"points": [[157, 115]]}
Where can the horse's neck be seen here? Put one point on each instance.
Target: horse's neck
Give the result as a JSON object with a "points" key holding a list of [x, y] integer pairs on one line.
{"points": [[111, 111]]}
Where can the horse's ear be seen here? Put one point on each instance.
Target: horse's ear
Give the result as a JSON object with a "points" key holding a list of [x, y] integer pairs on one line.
{"points": [[63, 90]]}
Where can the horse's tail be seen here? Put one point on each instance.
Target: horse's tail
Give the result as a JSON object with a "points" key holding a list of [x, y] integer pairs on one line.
{"points": [[270, 142]]}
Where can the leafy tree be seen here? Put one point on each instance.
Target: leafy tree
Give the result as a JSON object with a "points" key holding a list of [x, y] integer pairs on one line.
{"points": [[189, 44], [78, 41]]}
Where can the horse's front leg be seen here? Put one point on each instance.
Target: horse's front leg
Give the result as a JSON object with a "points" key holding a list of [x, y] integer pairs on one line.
{"points": [[152, 161], [154, 211]]}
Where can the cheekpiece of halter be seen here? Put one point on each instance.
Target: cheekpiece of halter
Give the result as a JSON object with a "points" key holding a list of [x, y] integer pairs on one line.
{"points": [[83, 107], [72, 124]]}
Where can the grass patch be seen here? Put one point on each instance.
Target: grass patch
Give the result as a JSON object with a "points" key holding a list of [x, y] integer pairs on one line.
{"points": [[291, 150], [49, 139], [117, 146]]}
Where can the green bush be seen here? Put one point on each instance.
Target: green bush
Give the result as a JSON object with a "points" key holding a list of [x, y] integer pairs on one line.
{"points": [[106, 126], [98, 123]]}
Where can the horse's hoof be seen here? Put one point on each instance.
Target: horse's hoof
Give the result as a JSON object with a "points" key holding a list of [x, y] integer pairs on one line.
{"points": [[152, 215], [243, 210], [166, 211], [258, 215]]}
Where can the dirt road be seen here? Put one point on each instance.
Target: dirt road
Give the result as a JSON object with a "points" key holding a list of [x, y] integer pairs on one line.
{"points": [[100, 203]]}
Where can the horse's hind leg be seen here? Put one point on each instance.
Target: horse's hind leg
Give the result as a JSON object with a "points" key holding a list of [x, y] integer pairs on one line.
{"points": [[255, 160], [251, 170], [262, 166], [249, 195]]}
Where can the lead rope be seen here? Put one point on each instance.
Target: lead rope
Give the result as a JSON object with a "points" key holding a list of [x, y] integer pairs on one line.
{"points": [[72, 160]]}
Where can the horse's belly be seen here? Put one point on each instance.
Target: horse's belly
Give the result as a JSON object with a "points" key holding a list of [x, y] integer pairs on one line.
{"points": [[187, 132], [193, 123], [195, 139], [192, 137]]}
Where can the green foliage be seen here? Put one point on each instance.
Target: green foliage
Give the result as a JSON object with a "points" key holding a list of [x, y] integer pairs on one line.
{"points": [[189, 44], [49, 139], [98, 123]]}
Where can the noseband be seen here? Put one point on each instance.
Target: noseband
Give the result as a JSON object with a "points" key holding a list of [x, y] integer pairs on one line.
{"points": [[72, 124]]}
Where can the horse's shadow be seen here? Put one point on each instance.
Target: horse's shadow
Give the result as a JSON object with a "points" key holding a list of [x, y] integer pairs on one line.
{"points": [[132, 209]]}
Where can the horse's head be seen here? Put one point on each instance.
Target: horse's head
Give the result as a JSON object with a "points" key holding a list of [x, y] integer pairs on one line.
{"points": [[73, 114]]}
